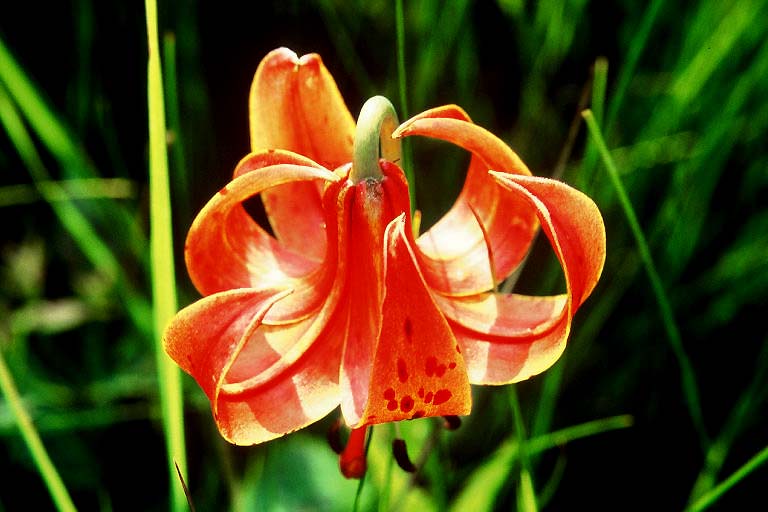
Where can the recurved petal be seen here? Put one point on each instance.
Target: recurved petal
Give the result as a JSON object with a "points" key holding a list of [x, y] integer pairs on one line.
{"points": [[454, 252], [263, 381], [299, 201], [508, 338], [573, 224], [295, 105], [227, 249], [417, 368]]}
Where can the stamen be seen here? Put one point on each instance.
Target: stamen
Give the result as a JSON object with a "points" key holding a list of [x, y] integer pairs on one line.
{"points": [[400, 452], [333, 437], [373, 139], [352, 459], [452, 422]]}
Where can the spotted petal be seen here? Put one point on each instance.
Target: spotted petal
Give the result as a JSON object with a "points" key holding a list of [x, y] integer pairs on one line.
{"points": [[454, 251], [418, 369]]}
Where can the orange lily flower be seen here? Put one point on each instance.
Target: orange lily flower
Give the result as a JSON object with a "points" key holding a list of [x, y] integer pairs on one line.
{"points": [[344, 305]]}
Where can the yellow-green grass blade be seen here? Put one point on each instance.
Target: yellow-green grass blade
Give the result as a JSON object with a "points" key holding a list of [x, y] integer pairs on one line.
{"points": [[45, 466], [162, 265]]}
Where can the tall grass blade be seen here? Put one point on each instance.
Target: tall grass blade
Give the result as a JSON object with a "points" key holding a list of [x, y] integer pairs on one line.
{"points": [[162, 263], [690, 388]]}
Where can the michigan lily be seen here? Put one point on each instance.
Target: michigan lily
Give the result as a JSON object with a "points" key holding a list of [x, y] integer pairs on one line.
{"points": [[342, 304]]}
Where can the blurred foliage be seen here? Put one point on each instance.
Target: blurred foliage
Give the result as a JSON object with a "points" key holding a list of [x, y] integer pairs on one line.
{"points": [[685, 117]]}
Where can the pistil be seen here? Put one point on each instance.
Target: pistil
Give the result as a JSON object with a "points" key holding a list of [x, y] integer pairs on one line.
{"points": [[373, 139]]}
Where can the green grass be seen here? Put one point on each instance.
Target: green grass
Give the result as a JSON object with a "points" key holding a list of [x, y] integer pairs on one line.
{"points": [[104, 165]]}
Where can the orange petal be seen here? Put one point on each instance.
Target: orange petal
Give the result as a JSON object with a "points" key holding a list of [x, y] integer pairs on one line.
{"points": [[508, 338], [295, 105], [454, 252], [263, 381], [306, 234], [227, 249], [573, 224], [417, 369], [365, 212]]}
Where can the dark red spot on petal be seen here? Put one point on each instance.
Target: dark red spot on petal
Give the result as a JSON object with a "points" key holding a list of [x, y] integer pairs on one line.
{"points": [[440, 370], [442, 396], [408, 329], [452, 366], [418, 414], [406, 403], [421, 392], [389, 394], [428, 398], [402, 370], [458, 349], [430, 366], [224, 191], [392, 405]]}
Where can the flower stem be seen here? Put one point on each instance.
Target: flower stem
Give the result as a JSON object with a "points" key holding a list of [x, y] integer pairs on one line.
{"points": [[373, 139]]}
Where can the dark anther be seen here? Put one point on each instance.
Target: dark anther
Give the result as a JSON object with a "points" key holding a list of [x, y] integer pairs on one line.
{"points": [[401, 456], [334, 439], [452, 422]]}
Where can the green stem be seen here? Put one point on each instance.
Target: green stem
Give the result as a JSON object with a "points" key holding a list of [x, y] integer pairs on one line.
{"points": [[690, 388], [32, 439], [161, 254], [526, 498], [373, 139]]}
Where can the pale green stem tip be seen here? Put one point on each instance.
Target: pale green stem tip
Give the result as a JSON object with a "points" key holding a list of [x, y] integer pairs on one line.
{"points": [[373, 139]]}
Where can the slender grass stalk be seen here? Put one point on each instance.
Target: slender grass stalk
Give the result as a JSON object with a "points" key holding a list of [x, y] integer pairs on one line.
{"points": [[712, 496], [45, 466], [407, 158], [599, 82], [526, 497], [163, 272], [688, 377], [178, 158]]}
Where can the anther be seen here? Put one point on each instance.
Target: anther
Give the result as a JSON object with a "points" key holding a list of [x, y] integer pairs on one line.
{"points": [[334, 438], [400, 452], [451, 422]]}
